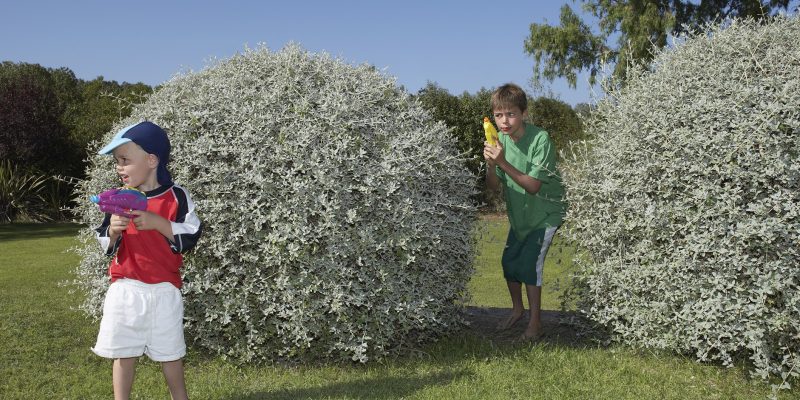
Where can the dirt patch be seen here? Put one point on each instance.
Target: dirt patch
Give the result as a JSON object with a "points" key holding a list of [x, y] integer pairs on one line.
{"points": [[558, 327], [491, 216]]}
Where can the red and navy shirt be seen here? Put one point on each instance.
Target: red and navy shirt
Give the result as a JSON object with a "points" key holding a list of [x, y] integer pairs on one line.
{"points": [[148, 256]]}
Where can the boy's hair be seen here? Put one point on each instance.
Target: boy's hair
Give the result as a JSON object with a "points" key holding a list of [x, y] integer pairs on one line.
{"points": [[508, 96]]}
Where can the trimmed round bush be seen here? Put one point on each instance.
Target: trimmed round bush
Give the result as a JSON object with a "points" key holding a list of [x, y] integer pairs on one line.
{"points": [[687, 200], [337, 213]]}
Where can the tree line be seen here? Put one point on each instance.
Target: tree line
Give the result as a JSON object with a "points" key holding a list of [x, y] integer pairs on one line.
{"points": [[48, 118]]}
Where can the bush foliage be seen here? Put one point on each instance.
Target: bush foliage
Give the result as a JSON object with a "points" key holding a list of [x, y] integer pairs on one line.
{"points": [[688, 204], [336, 225]]}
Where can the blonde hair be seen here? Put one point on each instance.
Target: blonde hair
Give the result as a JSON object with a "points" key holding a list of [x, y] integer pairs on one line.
{"points": [[508, 96]]}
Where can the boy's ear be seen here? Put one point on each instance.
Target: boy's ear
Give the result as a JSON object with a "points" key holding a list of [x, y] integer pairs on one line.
{"points": [[152, 160]]}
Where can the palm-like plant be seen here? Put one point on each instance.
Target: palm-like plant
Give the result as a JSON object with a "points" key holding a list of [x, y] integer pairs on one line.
{"points": [[21, 194]]}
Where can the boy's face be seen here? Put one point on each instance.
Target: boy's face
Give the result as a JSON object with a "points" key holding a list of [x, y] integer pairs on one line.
{"points": [[510, 120], [135, 167]]}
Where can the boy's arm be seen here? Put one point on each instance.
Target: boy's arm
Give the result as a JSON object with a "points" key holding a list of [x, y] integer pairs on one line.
{"points": [[109, 239], [494, 156], [148, 220], [492, 180], [529, 183], [181, 234], [187, 228]]}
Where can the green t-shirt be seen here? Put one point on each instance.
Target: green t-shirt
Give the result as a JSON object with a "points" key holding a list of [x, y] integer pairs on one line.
{"points": [[534, 155]]}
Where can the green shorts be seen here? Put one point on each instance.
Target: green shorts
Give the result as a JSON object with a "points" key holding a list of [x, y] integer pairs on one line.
{"points": [[523, 260]]}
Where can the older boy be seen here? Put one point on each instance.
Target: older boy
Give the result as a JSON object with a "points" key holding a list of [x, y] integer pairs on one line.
{"points": [[524, 162], [143, 308]]}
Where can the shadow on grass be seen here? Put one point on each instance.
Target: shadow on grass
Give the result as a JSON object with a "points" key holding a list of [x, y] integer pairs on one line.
{"points": [[37, 230], [480, 339], [388, 387], [560, 328]]}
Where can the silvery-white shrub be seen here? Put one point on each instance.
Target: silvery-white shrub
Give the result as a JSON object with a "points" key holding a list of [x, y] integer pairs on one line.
{"points": [[337, 214], [687, 201]]}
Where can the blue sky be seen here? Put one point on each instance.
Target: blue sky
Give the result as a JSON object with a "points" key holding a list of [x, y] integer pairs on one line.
{"points": [[461, 45]]}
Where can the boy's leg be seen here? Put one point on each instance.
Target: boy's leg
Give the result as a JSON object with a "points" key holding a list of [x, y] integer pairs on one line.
{"points": [[515, 290], [173, 373], [123, 372], [534, 329], [534, 291]]}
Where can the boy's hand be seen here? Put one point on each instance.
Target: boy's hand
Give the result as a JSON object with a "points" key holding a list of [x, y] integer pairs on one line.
{"points": [[493, 154], [146, 220], [117, 225]]}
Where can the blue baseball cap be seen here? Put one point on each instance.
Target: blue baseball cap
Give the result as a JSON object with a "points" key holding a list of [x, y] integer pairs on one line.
{"points": [[151, 138]]}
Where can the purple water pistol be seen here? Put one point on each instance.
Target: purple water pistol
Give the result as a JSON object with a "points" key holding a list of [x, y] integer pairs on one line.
{"points": [[121, 201]]}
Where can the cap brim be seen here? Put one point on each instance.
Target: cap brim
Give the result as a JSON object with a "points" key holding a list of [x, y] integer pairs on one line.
{"points": [[119, 141]]}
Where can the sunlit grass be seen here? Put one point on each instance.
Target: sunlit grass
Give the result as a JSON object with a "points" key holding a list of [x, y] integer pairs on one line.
{"points": [[44, 352]]}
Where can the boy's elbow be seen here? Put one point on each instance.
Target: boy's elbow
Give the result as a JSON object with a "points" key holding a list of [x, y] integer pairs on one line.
{"points": [[185, 241], [533, 186]]}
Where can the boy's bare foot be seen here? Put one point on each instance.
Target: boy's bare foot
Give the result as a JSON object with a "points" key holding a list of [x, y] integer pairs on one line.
{"points": [[511, 321], [531, 334]]}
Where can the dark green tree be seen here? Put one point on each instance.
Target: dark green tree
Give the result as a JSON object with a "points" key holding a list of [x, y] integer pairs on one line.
{"points": [[473, 108], [48, 116], [32, 133], [637, 26], [583, 110], [558, 119], [101, 104], [464, 114], [444, 107]]}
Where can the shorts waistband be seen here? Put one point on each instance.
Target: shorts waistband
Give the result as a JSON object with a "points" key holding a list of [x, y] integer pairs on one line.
{"points": [[148, 287]]}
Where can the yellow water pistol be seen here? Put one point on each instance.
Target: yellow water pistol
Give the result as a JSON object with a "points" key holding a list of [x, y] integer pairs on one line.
{"points": [[491, 132]]}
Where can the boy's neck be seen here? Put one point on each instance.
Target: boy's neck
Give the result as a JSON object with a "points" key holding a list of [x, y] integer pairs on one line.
{"points": [[516, 136], [151, 184]]}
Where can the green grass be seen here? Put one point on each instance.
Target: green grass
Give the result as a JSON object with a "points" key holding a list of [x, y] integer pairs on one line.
{"points": [[44, 351]]}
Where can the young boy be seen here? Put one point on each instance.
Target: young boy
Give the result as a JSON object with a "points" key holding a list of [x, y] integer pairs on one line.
{"points": [[524, 162], [143, 308]]}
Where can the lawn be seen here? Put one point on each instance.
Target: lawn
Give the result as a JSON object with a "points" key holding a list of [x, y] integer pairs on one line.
{"points": [[45, 349]]}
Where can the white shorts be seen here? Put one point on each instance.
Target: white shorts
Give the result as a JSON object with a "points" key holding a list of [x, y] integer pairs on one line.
{"points": [[141, 318]]}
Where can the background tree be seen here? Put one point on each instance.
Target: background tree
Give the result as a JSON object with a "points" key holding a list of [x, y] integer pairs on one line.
{"points": [[557, 118], [637, 26], [464, 114], [583, 110], [101, 104], [32, 133], [48, 116], [445, 107], [47, 119]]}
